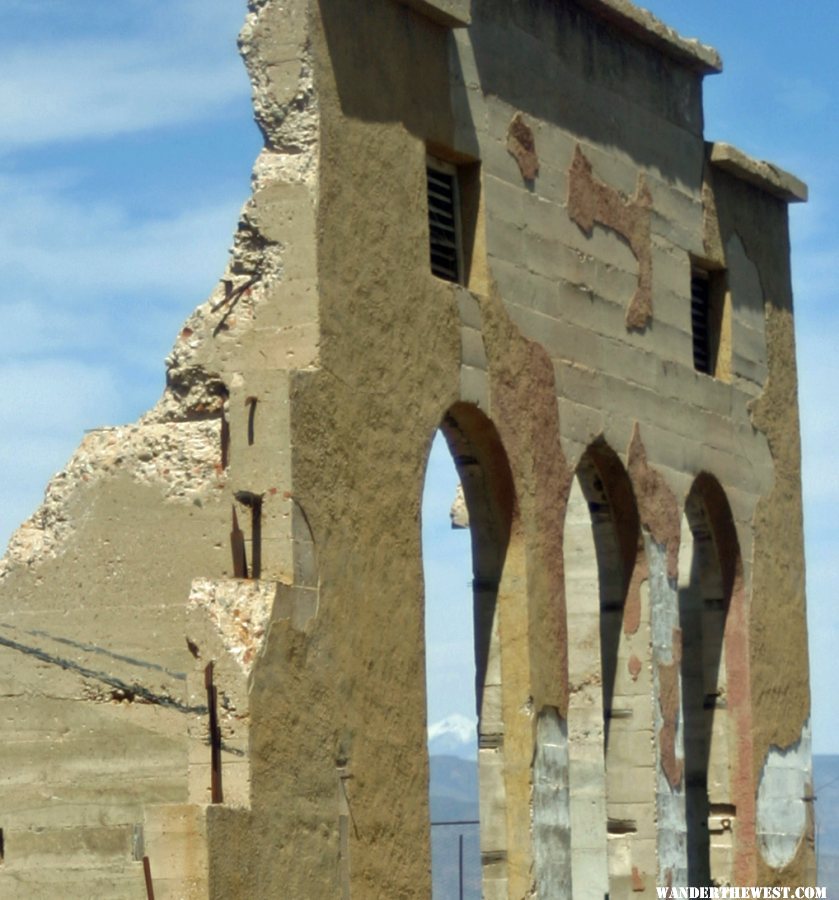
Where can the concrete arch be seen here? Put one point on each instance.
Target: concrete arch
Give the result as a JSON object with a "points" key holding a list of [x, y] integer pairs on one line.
{"points": [[497, 581], [719, 789], [611, 758]]}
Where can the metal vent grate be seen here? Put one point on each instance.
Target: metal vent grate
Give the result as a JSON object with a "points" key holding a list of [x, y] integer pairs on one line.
{"points": [[700, 306], [443, 224]]}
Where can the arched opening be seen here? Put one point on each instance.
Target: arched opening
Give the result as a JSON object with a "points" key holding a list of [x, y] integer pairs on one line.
{"points": [[450, 683], [483, 472], [611, 758], [712, 577]]}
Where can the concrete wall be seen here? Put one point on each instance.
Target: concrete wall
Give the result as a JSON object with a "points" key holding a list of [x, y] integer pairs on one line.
{"points": [[291, 445]]}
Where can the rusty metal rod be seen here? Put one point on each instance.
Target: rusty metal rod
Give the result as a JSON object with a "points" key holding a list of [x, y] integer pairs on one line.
{"points": [[216, 792], [147, 873]]}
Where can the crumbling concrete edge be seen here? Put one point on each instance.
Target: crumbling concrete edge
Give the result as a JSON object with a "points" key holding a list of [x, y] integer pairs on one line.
{"points": [[177, 444], [645, 27]]}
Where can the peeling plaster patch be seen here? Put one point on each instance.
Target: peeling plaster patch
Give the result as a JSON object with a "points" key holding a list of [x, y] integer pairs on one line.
{"points": [[591, 201], [634, 667], [668, 700], [240, 611], [551, 807], [785, 781], [657, 504], [180, 458], [632, 604], [637, 880], [783, 702], [521, 144]]}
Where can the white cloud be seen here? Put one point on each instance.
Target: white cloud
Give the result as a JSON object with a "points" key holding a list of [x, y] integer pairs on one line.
{"points": [[45, 406], [34, 327], [76, 254], [154, 65], [53, 396], [94, 89]]}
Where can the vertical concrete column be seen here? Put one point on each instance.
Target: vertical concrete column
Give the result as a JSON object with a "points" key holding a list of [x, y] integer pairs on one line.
{"points": [[668, 718], [630, 760], [493, 795], [587, 775], [552, 860]]}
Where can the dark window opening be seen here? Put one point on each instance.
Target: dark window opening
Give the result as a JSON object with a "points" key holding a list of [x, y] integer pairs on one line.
{"points": [[710, 325], [444, 221], [700, 310]]}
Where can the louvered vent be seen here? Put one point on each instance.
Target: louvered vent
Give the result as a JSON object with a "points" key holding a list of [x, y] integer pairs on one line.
{"points": [[443, 223], [700, 307]]}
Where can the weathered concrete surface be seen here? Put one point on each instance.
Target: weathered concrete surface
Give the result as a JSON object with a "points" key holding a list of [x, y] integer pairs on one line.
{"points": [[300, 406]]}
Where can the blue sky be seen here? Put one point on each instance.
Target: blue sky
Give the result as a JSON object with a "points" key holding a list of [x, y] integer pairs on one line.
{"points": [[126, 143]]}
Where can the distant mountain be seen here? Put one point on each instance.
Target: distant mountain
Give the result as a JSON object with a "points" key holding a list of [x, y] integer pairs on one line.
{"points": [[454, 789], [456, 735], [826, 789], [454, 799]]}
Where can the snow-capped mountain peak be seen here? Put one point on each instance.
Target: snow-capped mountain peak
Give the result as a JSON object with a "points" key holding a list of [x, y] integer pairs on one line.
{"points": [[455, 735]]}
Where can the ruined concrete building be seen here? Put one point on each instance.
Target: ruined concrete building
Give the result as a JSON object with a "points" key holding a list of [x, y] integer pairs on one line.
{"points": [[503, 222]]}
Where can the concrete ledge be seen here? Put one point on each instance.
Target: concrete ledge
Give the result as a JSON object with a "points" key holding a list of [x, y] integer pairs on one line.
{"points": [[645, 27], [758, 172], [449, 13]]}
